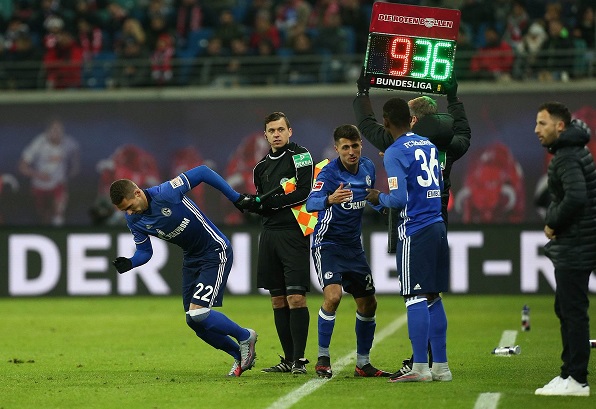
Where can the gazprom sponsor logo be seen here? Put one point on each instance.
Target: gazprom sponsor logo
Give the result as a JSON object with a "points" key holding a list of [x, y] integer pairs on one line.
{"points": [[354, 205], [168, 236]]}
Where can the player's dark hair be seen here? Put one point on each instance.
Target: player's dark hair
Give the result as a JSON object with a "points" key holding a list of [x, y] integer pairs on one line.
{"points": [[397, 112], [347, 131], [423, 106], [121, 189], [275, 116], [558, 110]]}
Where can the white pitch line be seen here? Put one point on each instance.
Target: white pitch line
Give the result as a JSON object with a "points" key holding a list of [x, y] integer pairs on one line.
{"points": [[487, 401], [312, 385]]}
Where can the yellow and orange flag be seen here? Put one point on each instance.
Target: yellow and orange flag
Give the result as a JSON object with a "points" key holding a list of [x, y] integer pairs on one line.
{"points": [[306, 220]]}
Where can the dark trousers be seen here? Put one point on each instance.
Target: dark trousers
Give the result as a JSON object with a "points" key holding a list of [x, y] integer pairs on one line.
{"points": [[571, 307]]}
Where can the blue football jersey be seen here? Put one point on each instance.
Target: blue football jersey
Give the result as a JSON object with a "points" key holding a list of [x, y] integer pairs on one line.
{"points": [[174, 217], [340, 223], [415, 183]]}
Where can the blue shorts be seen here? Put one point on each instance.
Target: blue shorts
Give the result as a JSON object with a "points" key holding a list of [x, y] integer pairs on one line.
{"points": [[423, 261], [344, 265], [204, 278]]}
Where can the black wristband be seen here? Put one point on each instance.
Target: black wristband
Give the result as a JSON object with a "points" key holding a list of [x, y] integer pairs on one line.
{"points": [[362, 93]]}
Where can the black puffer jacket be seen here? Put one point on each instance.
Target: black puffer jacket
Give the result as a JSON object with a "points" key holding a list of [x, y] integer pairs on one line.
{"points": [[572, 211]]}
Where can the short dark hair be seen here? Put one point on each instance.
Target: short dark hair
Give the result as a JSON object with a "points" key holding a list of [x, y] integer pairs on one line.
{"points": [[347, 131], [121, 189], [558, 110], [397, 111], [275, 116]]}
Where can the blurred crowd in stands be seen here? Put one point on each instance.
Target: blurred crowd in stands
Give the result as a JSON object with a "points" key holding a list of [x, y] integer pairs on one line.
{"points": [[64, 44]]}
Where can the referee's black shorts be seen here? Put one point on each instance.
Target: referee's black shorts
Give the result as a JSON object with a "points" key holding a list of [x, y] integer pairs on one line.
{"points": [[284, 261]]}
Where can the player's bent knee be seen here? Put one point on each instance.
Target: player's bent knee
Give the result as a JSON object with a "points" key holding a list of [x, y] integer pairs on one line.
{"points": [[198, 315]]}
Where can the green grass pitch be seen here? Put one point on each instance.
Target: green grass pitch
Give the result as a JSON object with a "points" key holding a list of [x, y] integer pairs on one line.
{"points": [[139, 353]]}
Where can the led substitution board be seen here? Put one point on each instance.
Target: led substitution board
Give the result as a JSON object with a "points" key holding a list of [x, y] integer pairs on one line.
{"points": [[411, 48]]}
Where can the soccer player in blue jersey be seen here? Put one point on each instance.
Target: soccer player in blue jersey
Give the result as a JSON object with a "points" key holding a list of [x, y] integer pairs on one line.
{"points": [[339, 198], [415, 184], [166, 212]]}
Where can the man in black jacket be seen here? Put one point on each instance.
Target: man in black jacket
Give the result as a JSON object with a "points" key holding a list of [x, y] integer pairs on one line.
{"points": [[450, 132], [570, 226], [283, 265]]}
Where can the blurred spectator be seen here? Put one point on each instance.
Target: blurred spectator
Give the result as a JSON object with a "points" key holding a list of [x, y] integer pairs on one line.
{"points": [[63, 63], [47, 10], [189, 18], [116, 16], [213, 9], [501, 9], [132, 69], [291, 19], [94, 11], [331, 37], [475, 14], [156, 28], [23, 63], [50, 160], [254, 8], [584, 28], [157, 8], [527, 60], [131, 29], [23, 11], [233, 73], [495, 59], [517, 22], [321, 11], [53, 25], [557, 53], [265, 69], [353, 16], [161, 60], [552, 11], [301, 69], [90, 38], [14, 29], [464, 52], [212, 62], [264, 30], [228, 29]]}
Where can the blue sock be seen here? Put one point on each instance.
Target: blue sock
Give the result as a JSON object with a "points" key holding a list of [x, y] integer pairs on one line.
{"points": [[217, 341], [418, 324], [365, 333], [218, 322], [325, 324], [438, 330]]}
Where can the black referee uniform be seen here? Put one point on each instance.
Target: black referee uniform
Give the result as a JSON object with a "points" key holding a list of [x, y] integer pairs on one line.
{"points": [[284, 251]]}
